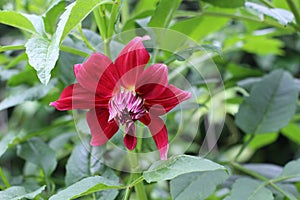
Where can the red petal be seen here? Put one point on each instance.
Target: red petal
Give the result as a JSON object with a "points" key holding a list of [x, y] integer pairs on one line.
{"points": [[76, 97], [101, 129], [131, 61], [130, 136], [154, 75], [159, 133], [166, 100], [98, 75]]}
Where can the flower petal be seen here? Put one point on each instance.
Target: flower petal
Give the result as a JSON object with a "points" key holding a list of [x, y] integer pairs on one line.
{"points": [[159, 133], [131, 61], [154, 75], [76, 97], [130, 136], [101, 129], [166, 100], [98, 74]]}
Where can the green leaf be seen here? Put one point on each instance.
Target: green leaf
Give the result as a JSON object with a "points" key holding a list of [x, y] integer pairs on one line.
{"points": [[39, 153], [82, 163], [43, 53], [292, 131], [18, 192], [196, 27], [42, 56], [164, 13], [7, 140], [271, 104], [281, 15], [178, 165], [291, 170], [261, 140], [246, 188], [21, 21], [196, 185], [86, 186], [27, 76], [75, 13], [226, 3], [51, 16], [30, 94]]}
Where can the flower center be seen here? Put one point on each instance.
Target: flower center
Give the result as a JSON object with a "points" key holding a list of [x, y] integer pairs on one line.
{"points": [[126, 107]]}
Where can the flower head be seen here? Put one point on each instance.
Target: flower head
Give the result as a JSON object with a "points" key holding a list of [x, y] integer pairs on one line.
{"points": [[122, 92]]}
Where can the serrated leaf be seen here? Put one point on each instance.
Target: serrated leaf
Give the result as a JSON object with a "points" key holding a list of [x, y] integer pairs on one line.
{"points": [[271, 104], [226, 3], [291, 170], [246, 188], [39, 153], [18, 192], [164, 13], [86, 186], [31, 94], [19, 20], [82, 163], [43, 53], [197, 185], [281, 15], [178, 165]]}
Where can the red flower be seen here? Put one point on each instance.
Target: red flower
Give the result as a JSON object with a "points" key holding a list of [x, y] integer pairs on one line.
{"points": [[122, 92]]}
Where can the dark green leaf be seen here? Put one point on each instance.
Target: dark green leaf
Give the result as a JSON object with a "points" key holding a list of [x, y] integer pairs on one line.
{"points": [[291, 170], [82, 163], [30, 94], [164, 13], [86, 186], [246, 188], [8, 139], [39, 153], [271, 104], [18, 192], [197, 185], [226, 3], [178, 165]]}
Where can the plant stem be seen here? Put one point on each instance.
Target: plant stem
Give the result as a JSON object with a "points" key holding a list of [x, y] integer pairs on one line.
{"points": [[267, 3], [127, 193], [11, 47], [112, 20], [4, 179], [85, 40], [102, 26], [73, 51], [140, 189], [294, 10], [244, 147]]}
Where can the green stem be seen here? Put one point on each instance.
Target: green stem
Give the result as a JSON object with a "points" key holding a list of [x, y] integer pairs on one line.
{"points": [[4, 179], [113, 18], [127, 193], [85, 40], [260, 177], [102, 26], [73, 51], [12, 47], [244, 147], [140, 189], [294, 10]]}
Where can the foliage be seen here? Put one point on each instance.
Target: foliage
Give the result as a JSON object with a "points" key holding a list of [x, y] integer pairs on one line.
{"points": [[239, 58]]}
